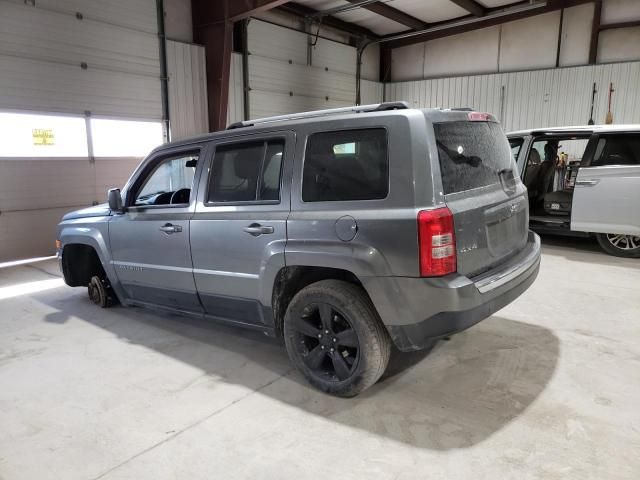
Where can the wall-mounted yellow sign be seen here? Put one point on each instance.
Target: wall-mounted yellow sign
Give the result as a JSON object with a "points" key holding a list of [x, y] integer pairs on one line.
{"points": [[43, 136]]}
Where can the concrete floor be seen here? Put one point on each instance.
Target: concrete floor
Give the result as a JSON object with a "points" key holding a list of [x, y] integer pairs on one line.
{"points": [[547, 388]]}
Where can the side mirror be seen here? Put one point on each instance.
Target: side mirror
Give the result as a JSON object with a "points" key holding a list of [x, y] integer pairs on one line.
{"points": [[115, 200]]}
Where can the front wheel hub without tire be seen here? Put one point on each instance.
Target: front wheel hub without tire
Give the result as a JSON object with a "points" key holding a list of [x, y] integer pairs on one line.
{"points": [[100, 292]]}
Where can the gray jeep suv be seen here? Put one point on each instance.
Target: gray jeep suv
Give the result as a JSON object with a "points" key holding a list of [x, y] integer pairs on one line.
{"points": [[344, 230]]}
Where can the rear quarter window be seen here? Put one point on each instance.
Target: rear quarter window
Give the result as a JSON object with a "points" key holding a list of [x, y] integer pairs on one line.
{"points": [[472, 154], [346, 165]]}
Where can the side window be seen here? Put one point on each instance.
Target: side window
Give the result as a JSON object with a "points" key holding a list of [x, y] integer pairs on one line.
{"points": [[617, 150], [346, 165], [246, 172], [170, 182], [516, 145]]}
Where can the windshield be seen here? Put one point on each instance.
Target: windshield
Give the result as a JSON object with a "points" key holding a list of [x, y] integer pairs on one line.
{"points": [[472, 154]]}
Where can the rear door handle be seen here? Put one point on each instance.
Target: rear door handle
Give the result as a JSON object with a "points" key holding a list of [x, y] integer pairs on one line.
{"points": [[587, 183], [256, 229], [168, 228]]}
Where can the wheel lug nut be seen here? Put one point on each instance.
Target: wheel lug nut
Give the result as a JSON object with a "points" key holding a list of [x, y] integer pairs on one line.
{"points": [[326, 331], [322, 347], [332, 350], [335, 340], [319, 335]]}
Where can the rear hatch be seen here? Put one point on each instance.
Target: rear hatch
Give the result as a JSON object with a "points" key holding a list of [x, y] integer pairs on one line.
{"points": [[482, 190]]}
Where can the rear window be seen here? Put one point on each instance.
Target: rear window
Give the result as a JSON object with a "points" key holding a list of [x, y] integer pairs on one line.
{"points": [[472, 154]]}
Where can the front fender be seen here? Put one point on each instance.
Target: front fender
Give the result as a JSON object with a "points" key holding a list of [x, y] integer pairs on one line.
{"points": [[93, 232]]}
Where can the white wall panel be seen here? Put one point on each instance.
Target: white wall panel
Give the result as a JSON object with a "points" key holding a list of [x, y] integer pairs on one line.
{"points": [[407, 63], [178, 24], [370, 68], [187, 89], [31, 233], [370, 92], [280, 79], [30, 184], [44, 47], [265, 104], [271, 41], [61, 38], [474, 52], [36, 192], [235, 107], [532, 99], [71, 56], [134, 14], [619, 45], [112, 173], [617, 11], [576, 36], [334, 56], [526, 44], [530, 42], [52, 87]]}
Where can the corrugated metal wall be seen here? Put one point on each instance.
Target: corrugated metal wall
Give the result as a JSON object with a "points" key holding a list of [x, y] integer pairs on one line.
{"points": [[187, 89], [70, 56], [235, 108], [370, 92], [283, 79], [107, 62], [532, 99]]}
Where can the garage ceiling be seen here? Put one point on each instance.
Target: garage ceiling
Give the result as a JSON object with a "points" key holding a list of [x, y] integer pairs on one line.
{"points": [[371, 15]]}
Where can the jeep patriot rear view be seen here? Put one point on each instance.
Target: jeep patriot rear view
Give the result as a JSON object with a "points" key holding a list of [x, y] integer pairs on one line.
{"points": [[342, 230]]}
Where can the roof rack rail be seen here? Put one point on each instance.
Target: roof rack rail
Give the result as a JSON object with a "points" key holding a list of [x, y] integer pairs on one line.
{"points": [[376, 107]]}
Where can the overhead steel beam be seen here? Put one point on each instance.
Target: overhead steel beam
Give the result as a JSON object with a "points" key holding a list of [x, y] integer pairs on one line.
{"points": [[303, 11], [470, 23], [471, 6], [612, 26], [398, 16], [241, 9]]}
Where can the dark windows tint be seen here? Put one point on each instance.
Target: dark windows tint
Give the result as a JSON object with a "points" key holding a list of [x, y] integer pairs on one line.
{"points": [[516, 145], [621, 149], [246, 172], [472, 155], [346, 165]]}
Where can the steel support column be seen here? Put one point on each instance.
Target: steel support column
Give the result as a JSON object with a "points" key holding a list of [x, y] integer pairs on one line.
{"points": [[213, 27]]}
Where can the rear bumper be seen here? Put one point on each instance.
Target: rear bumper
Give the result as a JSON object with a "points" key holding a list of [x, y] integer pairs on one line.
{"points": [[417, 310]]}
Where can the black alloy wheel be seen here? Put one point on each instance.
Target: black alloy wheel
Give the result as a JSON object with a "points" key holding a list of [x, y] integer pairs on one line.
{"points": [[326, 341], [335, 337]]}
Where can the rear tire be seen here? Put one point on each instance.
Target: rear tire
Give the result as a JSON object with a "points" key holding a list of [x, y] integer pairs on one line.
{"points": [[335, 338], [100, 292], [627, 246]]}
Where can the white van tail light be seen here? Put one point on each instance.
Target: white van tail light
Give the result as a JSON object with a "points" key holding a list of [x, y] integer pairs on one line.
{"points": [[437, 242]]}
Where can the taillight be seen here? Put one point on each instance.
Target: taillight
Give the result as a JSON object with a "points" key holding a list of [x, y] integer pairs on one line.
{"points": [[437, 242]]}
